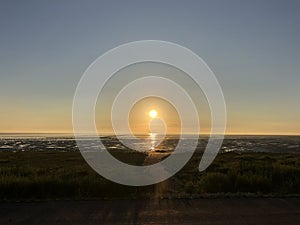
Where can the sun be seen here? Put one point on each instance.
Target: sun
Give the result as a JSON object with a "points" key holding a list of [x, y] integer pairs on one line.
{"points": [[153, 113]]}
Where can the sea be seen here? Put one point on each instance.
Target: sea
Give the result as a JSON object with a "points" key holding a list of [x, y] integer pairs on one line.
{"points": [[67, 143]]}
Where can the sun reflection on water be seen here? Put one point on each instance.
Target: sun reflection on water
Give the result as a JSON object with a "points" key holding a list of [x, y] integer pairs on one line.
{"points": [[153, 141]]}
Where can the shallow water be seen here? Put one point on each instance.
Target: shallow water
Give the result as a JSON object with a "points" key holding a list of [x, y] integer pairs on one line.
{"points": [[242, 143]]}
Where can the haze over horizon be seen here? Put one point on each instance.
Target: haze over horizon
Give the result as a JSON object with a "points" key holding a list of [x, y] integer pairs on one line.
{"points": [[251, 46]]}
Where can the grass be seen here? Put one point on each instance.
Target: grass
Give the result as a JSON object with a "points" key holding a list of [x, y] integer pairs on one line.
{"points": [[259, 173], [57, 175]]}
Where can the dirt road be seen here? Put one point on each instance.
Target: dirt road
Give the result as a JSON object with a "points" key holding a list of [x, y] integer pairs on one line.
{"points": [[198, 211]]}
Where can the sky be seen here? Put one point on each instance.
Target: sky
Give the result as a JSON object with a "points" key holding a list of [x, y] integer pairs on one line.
{"points": [[251, 46]]}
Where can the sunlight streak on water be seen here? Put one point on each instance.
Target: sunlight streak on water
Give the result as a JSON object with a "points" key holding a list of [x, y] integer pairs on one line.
{"points": [[278, 144]]}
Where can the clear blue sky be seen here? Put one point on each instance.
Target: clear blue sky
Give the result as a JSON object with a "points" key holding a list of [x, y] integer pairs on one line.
{"points": [[252, 47]]}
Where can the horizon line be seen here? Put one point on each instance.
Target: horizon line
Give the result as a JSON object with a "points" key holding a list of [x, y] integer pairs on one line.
{"points": [[226, 134]]}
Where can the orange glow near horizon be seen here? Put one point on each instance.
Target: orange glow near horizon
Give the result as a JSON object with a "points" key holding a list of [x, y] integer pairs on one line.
{"points": [[51, 120]]}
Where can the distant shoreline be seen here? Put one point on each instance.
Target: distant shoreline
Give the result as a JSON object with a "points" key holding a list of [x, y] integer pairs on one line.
{"points": [[112, 134]]}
